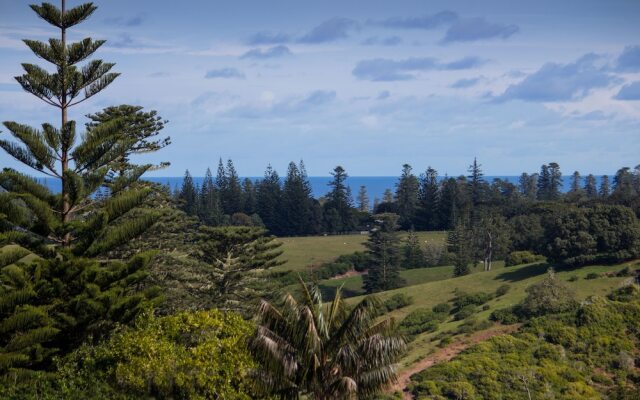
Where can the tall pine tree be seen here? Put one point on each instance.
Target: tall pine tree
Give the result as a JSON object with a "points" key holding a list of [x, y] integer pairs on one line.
{"points": [[407, 196], [53, 304], [383, 250], [428, 201]]}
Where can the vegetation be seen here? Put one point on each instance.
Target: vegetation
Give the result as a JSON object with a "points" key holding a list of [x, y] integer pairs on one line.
{"points": [[324, 351], [576, 354]]}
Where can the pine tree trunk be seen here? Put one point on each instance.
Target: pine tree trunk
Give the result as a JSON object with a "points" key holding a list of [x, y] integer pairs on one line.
{"points": [[64, 159]]}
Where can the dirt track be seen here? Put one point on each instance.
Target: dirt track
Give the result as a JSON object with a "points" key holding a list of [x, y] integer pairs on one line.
{"points": [[446, 354]]}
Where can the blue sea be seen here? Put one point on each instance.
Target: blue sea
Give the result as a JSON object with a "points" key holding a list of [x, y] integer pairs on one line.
{"points": [[376, 185]]}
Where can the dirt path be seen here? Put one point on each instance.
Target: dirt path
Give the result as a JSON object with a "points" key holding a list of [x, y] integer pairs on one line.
{"points": [[446, 354]]}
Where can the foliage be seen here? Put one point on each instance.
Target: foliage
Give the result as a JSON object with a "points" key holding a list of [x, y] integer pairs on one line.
{"points": [[502, 290], [419, 321], [548, 296], [568, 356], [49, 307], [85, 165], [506, 316], [476, 299], [324, 351], [522, 257], [397, 301], [238, 259], [190, 355], [384, 255], [413, 256], [441, 308]]}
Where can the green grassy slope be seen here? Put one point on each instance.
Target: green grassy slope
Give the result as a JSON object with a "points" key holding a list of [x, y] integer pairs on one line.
{"points": [[428, 294], [303, 252]]}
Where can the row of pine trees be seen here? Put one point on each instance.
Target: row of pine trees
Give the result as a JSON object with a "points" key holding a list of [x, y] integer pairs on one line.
{"points": [[286, 207]]}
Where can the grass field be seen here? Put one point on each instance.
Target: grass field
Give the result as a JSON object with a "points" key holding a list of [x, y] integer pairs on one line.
{"points": [[303, 252]]}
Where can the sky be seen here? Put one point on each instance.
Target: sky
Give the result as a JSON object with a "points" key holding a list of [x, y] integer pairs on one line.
{"points": [[366, 84]]}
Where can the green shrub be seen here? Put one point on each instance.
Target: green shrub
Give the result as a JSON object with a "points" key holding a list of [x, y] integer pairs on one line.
{"points": [[573, 278], [477, 299], [506, 316], [472, 324], [592, 275], [547, 297], [397, 301], [441, 308], [626, 271], [420, 320], [522, 257], [502, 290], [625, 294], [486, 307], [190, 355], [465, 312]]}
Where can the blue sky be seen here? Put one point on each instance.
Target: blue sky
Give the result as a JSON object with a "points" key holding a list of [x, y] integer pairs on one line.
{"points": [[367, 84]]}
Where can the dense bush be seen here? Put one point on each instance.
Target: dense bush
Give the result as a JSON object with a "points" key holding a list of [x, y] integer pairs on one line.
{"points": [[477, 299], [522, 257], [506, 316], [465, 312], [502, 290], [358, 260], [441, 308], [472, 324], [549, 296], [397, 301], [592, 275], [187, 356], [625, 293], [420, 320]]}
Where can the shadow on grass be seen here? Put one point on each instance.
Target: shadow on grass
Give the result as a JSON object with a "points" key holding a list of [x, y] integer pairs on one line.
{"points": [[523, 273]]}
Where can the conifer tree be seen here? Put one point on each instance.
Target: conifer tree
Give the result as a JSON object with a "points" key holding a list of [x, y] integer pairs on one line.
{"points": [[82, 163], [363, 200], [239, 258], [459, 244], [209, 209], [543, 183], [248, 197], [476, 183], [269, 197], [555, 181], [49, 306], [296, 202], [590, 186], [188, 195], [387, 196], [428, 201], [407, 196], [339, 199], [383, 249], [448, 205], [528, 185], [604, 190], [413, 254], [232, 197]]}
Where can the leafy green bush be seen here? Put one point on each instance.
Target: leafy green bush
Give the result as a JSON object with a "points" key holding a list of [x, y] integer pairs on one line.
{"points": [[547, 297], [441, 308], [592, 275], [625, 294], [397, 301], [522, 257], [472, 324], [419, 321], [573, 278], [194, 355], [465, 312], [506, 316], [464, 299], [626, 271], [502, 290], [358, 260]]}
